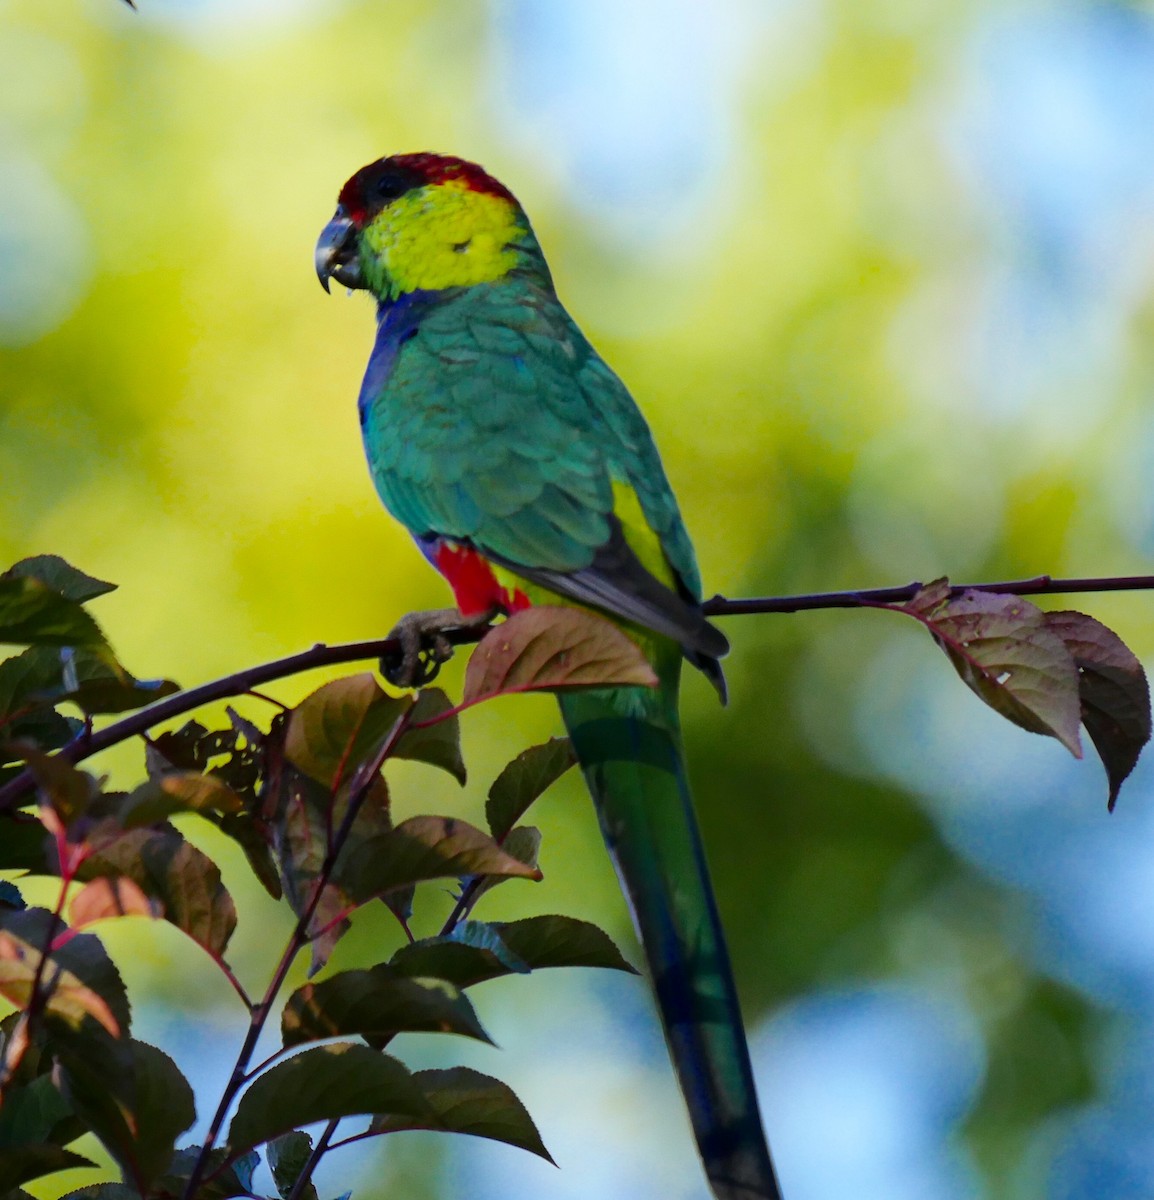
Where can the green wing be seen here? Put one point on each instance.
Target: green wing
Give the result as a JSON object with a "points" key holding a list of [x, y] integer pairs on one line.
{"points": [[498, 424]]}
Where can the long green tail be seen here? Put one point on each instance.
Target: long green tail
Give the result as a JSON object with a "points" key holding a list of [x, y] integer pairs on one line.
{"points": [[628, 742]]}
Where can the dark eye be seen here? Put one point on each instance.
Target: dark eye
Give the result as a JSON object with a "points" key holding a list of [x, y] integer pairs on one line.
{"points": [[389, 187]]}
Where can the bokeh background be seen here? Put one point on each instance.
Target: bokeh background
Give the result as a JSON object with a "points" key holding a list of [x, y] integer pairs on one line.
{"points": [[880, 273]]}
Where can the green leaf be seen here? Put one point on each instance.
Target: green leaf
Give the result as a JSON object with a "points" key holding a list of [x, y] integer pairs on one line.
{"points": [[27, 681], [223, 1182], [85, 983], [524, 780], [183, 882], [473, 953], [550, 646], [555, 941], [179, 791], [33, 614], [103, 1191], [425, 848], [137, 1110], [287, 1156], [377, 1004], [98, 684], [25, 845], [34, 1122], [434, 736], [22, 1164], [478, 951], [340, 727], [465, 1101], [523, 844], [1005, 653], [60, 576], [323, 1084], [1113, 691]]}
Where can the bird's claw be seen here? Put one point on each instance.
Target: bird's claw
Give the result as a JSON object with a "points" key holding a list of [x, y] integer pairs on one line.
{"points": [[424, 646]]}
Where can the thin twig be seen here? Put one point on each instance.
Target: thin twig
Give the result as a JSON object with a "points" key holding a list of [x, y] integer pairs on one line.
{"points": [[318, 1152], [322, 655], [361, 784]]}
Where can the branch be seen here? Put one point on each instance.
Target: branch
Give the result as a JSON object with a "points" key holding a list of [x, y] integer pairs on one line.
{"points": [[89, 743]]}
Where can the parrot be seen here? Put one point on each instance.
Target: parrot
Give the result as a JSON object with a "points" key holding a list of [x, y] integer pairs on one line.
{"points": [[527, 475]]}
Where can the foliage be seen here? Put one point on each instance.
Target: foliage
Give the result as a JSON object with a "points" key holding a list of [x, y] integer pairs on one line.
{"points": [[308, 802]]}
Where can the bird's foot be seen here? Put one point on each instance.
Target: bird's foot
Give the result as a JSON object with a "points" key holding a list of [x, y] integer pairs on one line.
{"points": [[424, 644]]}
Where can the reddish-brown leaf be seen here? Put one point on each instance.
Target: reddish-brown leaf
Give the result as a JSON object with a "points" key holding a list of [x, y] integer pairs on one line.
{"points": [[115, 896], [1114, 693], [1004, 651], [551, 646]]}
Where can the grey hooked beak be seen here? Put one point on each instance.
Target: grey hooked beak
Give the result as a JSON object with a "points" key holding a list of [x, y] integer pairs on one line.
{"points": [[338, 254]]}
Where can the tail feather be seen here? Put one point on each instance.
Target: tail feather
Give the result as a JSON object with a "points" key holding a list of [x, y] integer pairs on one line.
{"points": [[628, 743]]}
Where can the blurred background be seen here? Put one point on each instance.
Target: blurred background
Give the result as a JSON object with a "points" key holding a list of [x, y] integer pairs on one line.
{"points": [[880, 274]]}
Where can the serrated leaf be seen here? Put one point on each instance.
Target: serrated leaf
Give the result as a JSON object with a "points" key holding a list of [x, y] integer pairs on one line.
{"points": [[60, 576], [182, 881], [556, 941], [1114, 694], [1004, 652], [10, 896], [377, 1004], [524, 780], [478, 951], [465, 1101], [340, 727], [287, 1156], [523, 844], [178, 791], [98, 684], [137, 1103], [103, 898], [31, 1115], [33, 614], [425, 848], [434, 736], [221, 1182], [323, 1084], [103, 1191], [549, 646], [23, 1164]]}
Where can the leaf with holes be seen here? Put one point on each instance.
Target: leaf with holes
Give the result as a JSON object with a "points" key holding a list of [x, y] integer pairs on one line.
{"points": [[1005, 653], [530, 774], [465, 1101], [1115, 696], [550, 646]]}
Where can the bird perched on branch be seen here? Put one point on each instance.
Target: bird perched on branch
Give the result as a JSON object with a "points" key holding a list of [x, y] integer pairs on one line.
{"points": [[525, 472]]}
